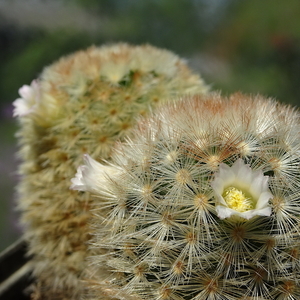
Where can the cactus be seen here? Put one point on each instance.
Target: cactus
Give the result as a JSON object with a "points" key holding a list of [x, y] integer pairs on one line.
{"points": [[202, 203], [82, 103]]}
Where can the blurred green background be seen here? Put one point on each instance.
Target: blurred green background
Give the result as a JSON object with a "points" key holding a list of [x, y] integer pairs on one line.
{"points": [[237, 45]]}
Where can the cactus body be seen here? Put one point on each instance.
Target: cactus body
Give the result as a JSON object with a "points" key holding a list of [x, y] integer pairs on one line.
{"points": [[203, 203], [82, 103]]}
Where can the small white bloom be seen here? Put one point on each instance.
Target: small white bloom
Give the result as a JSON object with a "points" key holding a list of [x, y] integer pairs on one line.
{"points": [[77, 85], [77, 181], [114, 71], [241, 191], [30, 96], [92, 176], [160, 61]]}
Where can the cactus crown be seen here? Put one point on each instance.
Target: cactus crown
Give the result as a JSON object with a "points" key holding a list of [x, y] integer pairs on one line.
{"points": [[203, 203]]}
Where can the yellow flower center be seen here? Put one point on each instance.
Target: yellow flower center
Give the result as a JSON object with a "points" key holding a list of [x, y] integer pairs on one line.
{"points": [[237, 199]]}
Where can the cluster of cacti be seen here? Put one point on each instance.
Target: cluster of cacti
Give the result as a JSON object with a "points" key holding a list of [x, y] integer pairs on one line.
{"points": [[202, 203], [81, 104]]}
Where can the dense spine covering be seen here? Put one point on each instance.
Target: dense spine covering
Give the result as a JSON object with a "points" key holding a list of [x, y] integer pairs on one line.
{"points": [[81, 104], [202, 203]]}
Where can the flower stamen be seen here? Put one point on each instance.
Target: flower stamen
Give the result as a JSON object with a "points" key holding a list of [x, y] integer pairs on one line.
{"points": [[237, 199]]}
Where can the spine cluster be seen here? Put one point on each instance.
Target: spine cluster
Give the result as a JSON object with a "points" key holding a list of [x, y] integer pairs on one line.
{"points": [[168, 231], [81, 104]]}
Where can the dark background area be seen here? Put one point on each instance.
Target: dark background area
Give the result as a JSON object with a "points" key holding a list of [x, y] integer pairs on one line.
{"points": [[236, 45]]}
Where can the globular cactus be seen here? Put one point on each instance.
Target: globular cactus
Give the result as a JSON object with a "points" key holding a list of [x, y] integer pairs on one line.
{"points": [[82, 103], [203, 203]]}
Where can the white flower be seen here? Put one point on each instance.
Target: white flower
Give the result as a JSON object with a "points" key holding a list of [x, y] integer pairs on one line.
{"points": [[114, 71], [93, 176], [77, 181], [161, 61], [241, 191], [30, 96]]}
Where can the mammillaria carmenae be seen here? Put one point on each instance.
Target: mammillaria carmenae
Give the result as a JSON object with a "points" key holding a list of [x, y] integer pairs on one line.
{"points": [[202, 203], [82, 103]]}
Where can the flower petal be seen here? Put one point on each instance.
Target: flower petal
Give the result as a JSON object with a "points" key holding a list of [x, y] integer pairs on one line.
{"points": [[263, 200], [224, 211], [93, 175], [77, 181], [30, 95]]}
